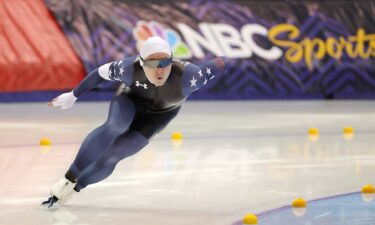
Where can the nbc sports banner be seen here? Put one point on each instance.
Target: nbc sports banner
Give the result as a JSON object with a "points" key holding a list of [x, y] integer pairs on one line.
{"points": [[276, 49]]}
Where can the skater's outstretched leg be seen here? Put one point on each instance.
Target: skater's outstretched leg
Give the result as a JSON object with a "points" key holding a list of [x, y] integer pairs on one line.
{"points": [[143, 128], [124, 146], [121, 114]]}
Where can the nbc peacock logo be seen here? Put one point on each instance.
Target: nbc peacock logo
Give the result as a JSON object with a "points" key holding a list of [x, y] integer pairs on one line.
{"points": [[144, 29]]}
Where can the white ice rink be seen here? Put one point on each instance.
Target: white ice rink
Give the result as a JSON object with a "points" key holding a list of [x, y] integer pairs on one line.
{"points": [[235, 158]]}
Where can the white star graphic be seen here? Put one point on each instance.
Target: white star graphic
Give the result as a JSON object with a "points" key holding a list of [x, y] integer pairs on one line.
{"points": [[120, 62], [212, 77], [121, 70], [193, 82], [200, 73], [208, 71], [205, 81]]}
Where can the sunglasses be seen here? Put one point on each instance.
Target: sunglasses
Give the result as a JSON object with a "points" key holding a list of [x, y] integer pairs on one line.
{"points": [[157, 63]]}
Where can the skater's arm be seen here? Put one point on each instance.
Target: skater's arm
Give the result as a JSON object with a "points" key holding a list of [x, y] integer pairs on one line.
{"points": [[68, 99], [120, 70], [197, 76], [92, 80]]}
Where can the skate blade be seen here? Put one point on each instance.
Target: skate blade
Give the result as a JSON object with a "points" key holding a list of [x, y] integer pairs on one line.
{"points": [[51, 201]]}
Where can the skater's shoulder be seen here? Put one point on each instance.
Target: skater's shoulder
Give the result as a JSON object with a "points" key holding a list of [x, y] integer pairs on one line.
{"points": [[125, 64], [122, 70], [129, 61], [180, 63], [179, 66]]}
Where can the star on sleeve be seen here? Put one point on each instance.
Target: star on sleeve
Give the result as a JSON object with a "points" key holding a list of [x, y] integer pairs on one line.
{"points": [[197, 76], [193, 82], [200, 73], [208, 71], [121, 70]]}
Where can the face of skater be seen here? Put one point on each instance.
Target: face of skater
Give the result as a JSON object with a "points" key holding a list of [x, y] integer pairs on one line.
{"points": [[157, 68]]}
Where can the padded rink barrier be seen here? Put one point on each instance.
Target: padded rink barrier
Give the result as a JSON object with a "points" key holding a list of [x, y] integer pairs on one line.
{"points": [[35, 54]]}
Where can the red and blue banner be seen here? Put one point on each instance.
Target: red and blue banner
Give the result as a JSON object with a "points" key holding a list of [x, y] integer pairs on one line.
{"points": [[278, 50]]}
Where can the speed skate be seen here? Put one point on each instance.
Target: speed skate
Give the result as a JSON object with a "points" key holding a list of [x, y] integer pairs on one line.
{"points": [[60, 192]]}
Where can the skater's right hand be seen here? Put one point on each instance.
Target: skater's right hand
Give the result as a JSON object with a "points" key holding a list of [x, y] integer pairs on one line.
{"points": [[65, 100]]}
